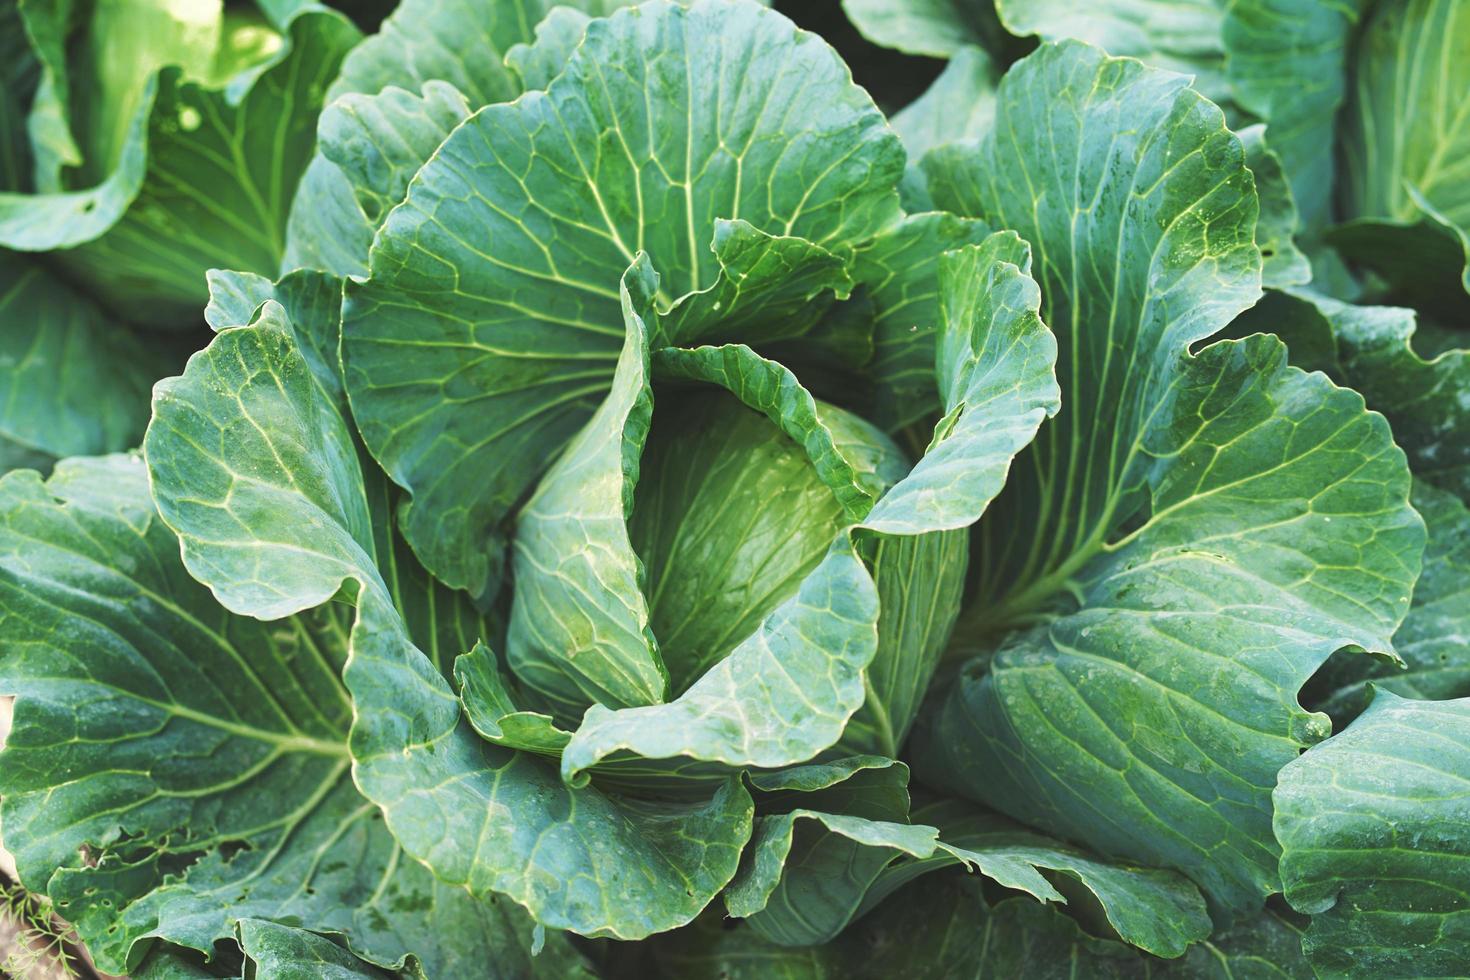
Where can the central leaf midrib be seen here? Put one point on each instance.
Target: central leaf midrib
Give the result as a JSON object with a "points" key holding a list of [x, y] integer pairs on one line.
{"points": [[285, 742]]}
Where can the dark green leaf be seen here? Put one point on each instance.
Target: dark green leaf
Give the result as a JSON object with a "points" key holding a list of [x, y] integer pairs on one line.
{"points": [[1372, 829], [1282, 263], [197, 757], [71, 382], [1405, 146], [278, 952], [1183, 512], [1434, 641], [203, 179]]}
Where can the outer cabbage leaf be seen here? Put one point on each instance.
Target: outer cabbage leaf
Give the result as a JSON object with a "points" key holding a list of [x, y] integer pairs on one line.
{"points": [[936, 28], [491, 291], [1220, 572], [1434, 641], [389, 109], [789, 689], [1165, 216], [1267, 946], [326, 229], [199, 758], [1155, 910], [19, 78], [1183, 36], [204, 178], [828, 855], [1283, 62], [1282, 263], [463, 45], [1287, 62], [941, 928], [899, 270], [1415, 374], [946, 926], [368, 148], [279, 952], [311, 301], [960, 105], [173, 963], [1185, 513], [72, 383], [254, 466], [1372, 824], [491, 706], [534, 64], [1405, 146]]}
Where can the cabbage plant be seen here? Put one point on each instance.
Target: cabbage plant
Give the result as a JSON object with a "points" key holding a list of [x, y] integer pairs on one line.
{"points": [[644, 503], [164, 139], [142, 143]]}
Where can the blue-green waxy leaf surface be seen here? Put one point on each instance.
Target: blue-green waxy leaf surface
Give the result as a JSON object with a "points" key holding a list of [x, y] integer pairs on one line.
{"points": [[960, 105], [491, 708], [199, 756], [536, 62], [463, 45], [173, 963], [1283, 264], [1288, 63], [1372, 824], [400, 93], [492, 292], [1282, 62], [1195, 534], [1434, 640], [1416, 373], [1182, 36], [368, 148], [311, 301], [253, 465]]}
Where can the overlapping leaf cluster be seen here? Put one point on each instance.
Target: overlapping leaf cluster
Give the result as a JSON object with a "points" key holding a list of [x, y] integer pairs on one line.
{"points": [[639, 503]]}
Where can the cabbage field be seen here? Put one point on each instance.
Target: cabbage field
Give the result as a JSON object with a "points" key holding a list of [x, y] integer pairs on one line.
{"points": [[811, 490]]}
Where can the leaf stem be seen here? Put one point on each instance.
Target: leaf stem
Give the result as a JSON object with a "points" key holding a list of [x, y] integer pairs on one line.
{"points": [[883, 723]]}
